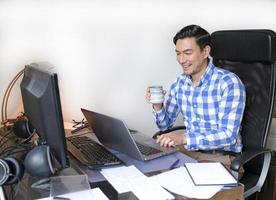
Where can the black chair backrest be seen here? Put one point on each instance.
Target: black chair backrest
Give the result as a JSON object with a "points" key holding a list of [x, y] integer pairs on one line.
{"points": [[251, 55]]}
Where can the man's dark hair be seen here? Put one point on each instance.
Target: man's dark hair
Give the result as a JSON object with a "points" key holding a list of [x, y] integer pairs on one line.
{"points": [[202, 37]]}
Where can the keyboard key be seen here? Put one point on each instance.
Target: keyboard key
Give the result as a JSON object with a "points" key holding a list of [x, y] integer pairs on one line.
{"points": [[91, 153], [147, 150]]}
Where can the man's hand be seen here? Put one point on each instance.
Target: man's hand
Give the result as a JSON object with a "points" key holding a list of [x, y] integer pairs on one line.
{"points": [[156, 106], [171, 139]]}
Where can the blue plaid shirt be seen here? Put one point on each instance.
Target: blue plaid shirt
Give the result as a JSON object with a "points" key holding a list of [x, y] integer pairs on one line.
{"points": [[212, 111]]}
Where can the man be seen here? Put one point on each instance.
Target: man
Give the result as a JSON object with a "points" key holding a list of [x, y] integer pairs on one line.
{"points": [[210, 99]]}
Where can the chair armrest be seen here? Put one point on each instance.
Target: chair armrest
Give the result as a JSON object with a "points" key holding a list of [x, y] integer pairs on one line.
{"points": [[246, 156], [175, 128]]}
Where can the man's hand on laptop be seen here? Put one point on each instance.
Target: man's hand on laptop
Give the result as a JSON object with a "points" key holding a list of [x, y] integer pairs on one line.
{"points": [[171, 139]]}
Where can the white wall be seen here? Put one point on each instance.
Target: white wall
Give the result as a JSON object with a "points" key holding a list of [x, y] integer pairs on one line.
{"points": [[107, 52]]}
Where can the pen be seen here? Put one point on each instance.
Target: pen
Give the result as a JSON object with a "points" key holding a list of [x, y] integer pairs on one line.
{"points": [[60, 198], [175, 163]]}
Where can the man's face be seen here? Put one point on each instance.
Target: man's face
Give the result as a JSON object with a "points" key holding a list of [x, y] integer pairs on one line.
{"points": [[192, 59]]}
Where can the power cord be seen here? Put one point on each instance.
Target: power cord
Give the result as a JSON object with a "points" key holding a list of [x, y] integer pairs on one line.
{"points": [[5, 100], [4, 137], [17, 147], [79, 125]]}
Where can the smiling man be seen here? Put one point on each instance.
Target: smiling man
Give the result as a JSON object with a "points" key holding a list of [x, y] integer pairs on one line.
{"points": [[210, 99]]}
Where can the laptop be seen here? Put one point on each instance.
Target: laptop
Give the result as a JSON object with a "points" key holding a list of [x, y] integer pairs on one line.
{"points": [[113, 133]]}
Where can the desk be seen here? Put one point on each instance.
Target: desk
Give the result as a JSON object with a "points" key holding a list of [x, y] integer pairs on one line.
{"points": [[110, 192], [25, 191]]}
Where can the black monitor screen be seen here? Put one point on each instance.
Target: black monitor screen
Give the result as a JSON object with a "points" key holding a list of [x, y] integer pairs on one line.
{"points": [[41, 101]]}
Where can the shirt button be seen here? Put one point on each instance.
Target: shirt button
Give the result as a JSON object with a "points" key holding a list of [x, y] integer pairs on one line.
{"points": [[194, 105], [198, 119]]}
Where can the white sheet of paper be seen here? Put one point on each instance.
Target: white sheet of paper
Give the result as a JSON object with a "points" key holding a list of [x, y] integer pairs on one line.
{"points": [[121, 177], [144, 188], [91, 194], [125, 179], [179, 181], [211, 173]]}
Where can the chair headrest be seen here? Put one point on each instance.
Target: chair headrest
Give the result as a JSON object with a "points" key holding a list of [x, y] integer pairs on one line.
{"points": [[244, 45]]}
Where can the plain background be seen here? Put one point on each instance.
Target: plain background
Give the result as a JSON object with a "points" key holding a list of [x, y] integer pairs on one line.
{"points": [[106, 52]]}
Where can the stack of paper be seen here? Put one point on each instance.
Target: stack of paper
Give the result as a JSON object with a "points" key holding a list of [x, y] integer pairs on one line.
{"points": [[196, 180], [179, 182], [125, 179]]}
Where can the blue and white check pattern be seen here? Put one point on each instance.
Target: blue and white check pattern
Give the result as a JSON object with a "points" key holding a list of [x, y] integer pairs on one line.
{"points": [[212, 111]]}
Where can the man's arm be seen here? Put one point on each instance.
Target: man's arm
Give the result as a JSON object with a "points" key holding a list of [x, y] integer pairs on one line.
{"points": [[166, 116]]}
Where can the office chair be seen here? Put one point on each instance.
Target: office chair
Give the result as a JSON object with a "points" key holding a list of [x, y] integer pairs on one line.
{"points": [[250, 54]]}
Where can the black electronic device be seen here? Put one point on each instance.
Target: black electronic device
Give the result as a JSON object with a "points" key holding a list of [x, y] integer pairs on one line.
{"points": [[39, 161], [11, 171], [42, 107], [91, 153], [22, 128]]}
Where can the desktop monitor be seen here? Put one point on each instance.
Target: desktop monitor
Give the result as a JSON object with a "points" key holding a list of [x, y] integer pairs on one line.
{"points": [[41, 102]]}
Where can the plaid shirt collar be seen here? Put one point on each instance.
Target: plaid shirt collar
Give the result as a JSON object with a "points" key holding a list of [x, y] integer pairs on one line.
{"points": [[205, 77]]}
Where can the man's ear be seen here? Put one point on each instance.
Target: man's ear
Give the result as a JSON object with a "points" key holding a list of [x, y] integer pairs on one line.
{"points": [[207, 50]]}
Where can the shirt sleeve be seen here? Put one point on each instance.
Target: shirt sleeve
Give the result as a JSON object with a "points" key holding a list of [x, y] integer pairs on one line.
{"points": [[231, 108], [166, 117]]}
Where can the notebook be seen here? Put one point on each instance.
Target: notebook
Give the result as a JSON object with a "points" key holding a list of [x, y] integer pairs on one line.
{"points": [[113, 133], [210, 173]]}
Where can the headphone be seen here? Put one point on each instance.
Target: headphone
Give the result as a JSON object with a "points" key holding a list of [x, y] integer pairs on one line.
{"points": [[39, 162], [23, 128], [11, 171]]}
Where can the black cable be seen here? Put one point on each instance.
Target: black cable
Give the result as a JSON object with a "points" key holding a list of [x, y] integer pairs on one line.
{"points": [[21, 142], [11, 148], [14, 193], [11, 193], [79, 125], [3, 137], [42, 184], [18, 143], [3, 143], [17, 188], [11, 151], [16, 146], [29, 138], [15, 152]]}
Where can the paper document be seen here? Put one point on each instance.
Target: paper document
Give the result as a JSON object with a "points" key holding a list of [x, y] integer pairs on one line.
{"points": [[125, 179], [211, 173], [179, 181], [91, 194]]}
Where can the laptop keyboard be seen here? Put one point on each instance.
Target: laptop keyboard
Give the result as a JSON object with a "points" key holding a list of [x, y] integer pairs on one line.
{"points": [[147, 150], [90, 153]]}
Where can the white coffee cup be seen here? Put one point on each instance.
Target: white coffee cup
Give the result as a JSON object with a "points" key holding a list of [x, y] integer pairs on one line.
{"points": [[156, 94]]}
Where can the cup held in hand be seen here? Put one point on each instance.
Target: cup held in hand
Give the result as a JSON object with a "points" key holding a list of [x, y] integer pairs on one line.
{"points": [[156, 94]]}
